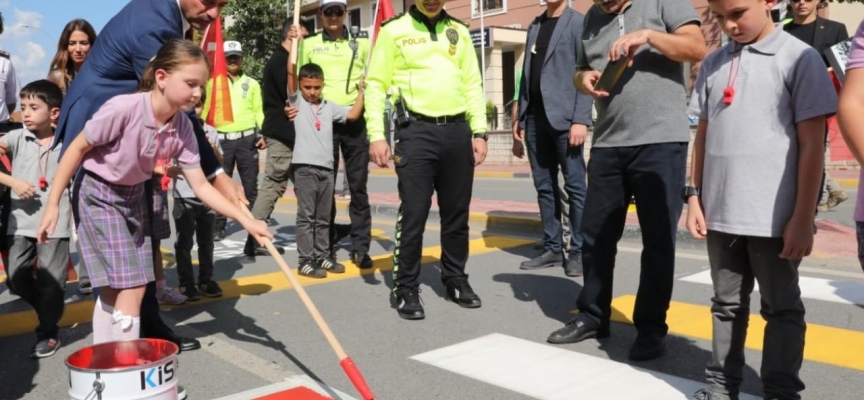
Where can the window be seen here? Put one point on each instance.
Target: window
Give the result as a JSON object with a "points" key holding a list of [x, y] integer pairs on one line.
{"points": [[490, 7], [354, 17]]}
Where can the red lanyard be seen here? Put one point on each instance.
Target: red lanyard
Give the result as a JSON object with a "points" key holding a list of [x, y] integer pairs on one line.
{"points": [[160, 160], [315, 115], [43, 181], [729, 92]]}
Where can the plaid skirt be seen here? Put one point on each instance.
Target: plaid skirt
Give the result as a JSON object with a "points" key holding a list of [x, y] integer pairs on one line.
{"points": [[161, 224], [113, 233]]}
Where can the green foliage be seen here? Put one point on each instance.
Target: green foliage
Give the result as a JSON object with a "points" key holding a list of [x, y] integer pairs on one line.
{"points": [[256, 25]]}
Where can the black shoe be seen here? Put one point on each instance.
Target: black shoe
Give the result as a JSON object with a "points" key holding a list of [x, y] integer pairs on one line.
{"points": [[312, 270], [573, 266], [191, 292], [210, 289], [577, 330], [252, 249], [331, 265], [408, 304], [219, 235], [184, 343], [647, 348], [546, 259], [45, 348], [361, 260], [460, 292]]}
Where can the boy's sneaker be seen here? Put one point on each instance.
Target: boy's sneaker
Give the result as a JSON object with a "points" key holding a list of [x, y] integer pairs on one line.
{"points": [[331, 266], [170, 297], [707, 394], [85, 287], [312, 270], [45, 348], [210, 289], [191, 292], [460, 292], [408, 304]]}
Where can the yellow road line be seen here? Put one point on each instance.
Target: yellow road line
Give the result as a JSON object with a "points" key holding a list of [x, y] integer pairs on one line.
{"points": [[81, 312], [824, 344]]}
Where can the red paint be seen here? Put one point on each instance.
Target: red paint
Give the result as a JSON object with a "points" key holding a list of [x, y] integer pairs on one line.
{"points": [[299, 393]]}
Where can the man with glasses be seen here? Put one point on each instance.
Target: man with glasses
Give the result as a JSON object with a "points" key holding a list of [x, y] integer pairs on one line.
{"points": [[239, 140], [821, 34], [342, 54]]}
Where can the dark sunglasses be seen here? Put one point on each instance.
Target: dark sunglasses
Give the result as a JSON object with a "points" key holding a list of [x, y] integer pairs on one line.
{"points": [[334, 11]]}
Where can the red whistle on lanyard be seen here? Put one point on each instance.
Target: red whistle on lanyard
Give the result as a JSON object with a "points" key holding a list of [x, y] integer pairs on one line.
{"points": [[166, 182], [728, 94], [318, 125], [43, 183]]}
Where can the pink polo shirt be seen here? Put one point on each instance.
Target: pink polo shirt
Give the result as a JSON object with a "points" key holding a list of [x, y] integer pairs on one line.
{"points": [[856, 60], [126, 145]]}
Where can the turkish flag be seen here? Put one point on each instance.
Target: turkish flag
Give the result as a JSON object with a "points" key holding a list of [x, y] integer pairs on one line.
{"points": [[384, 11], [218, 104]]}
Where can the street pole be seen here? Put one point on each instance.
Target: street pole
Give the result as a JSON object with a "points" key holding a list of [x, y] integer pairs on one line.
{"points": [[482, 52]]}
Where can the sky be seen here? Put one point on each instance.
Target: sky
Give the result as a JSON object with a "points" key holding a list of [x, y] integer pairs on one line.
{"points": [[32, 29]]}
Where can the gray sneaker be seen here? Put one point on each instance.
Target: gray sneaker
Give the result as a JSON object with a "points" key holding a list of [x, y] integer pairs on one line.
{"points": [[707, 394], [546, 259]]}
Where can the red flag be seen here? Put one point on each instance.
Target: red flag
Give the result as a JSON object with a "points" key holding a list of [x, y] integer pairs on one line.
{"points": [[218, 104], [384, 11]]}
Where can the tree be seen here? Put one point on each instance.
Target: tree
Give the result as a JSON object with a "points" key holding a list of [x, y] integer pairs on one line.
{"points": [[256, 25]]}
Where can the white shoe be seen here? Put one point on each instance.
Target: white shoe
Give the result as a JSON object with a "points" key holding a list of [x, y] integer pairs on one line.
{"points": [[170, 297]]}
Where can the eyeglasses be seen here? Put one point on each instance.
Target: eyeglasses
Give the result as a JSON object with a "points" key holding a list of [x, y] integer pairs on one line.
{"points": [[337, 11]]}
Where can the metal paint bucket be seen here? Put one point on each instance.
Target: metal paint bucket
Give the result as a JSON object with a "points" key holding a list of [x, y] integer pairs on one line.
{"points": [[140, 369]]}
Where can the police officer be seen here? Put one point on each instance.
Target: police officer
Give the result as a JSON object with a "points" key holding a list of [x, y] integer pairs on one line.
{"points": [[342, 54], [8, 90], [239, 140], [426, 58]]}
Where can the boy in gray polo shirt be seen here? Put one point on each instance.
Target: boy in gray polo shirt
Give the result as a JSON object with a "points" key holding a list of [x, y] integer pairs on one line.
{"points": [[762, 101], [313, 165], [34, 164]]}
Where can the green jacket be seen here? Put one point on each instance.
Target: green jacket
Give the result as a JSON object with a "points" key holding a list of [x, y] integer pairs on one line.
{"points": [[333, 55]]}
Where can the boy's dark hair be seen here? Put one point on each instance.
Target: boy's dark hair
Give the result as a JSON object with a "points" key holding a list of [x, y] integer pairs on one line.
{"points": [[44, 90], [311, 71]]}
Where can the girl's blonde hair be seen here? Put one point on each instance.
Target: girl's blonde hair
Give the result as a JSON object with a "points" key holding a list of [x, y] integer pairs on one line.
{"points": [[172, 55]]}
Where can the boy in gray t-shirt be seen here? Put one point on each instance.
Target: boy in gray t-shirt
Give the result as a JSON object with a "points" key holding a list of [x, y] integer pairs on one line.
{"points": [[313, 165], [34, 164], [762, 101]]}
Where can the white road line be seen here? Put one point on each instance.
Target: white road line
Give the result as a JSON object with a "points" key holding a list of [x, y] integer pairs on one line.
{"points": [[550, 373], [835, 291]]}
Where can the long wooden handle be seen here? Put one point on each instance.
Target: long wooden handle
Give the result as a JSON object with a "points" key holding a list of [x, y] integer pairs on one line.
{"points": [[310, 306], [296, 40]]}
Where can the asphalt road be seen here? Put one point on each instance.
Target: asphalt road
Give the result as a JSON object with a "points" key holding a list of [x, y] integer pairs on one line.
{"points": [[260, 334]]}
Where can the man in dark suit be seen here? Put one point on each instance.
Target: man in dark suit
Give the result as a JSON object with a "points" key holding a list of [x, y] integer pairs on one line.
{"points": [[113, 67], [821, 34], [555, 119]]}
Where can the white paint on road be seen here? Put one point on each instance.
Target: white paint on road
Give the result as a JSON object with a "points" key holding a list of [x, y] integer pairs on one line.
{"points": [[835, 291], [553, 373]]}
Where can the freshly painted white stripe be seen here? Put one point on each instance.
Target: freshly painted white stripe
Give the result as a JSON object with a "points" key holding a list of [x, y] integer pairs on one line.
{"points": [[835, 291], [290, 383], [553, 373]]}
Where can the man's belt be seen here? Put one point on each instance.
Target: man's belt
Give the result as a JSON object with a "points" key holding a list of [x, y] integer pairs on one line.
{"points": [[442, 120], [236, 135]]}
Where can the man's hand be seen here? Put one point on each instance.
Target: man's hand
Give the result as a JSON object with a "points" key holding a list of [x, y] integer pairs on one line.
{"points": [[231, 190], [379, 153], [518, 149], [290, 112], [479, 151], [23, 189], [696, 218], [578, 133], [797, 239], [293, 32], [174, 171], [261, 144], [585, 81], [627, 45]]}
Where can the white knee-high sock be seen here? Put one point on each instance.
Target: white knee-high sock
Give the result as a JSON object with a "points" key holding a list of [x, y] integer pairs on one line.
{"points": [[102, 322], [124, 327]]}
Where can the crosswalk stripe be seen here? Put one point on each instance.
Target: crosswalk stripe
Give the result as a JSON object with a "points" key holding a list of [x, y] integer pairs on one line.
{"points": [[17, 323], [554, 373], [825, 344], [835, 291]]}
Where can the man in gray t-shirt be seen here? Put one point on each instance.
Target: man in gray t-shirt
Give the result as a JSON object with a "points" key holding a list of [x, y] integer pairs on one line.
{"points": [[639, 149]]}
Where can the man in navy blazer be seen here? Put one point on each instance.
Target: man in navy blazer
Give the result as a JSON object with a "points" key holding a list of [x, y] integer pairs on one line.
{"points": [[554, 118], [113, 67]]}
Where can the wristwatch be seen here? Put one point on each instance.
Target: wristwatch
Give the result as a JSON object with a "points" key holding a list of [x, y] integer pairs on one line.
{"points": [[690, 191], [481, 135]]}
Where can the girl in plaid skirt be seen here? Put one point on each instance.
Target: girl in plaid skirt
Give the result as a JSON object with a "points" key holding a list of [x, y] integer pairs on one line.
{"points": [[118, 150]]}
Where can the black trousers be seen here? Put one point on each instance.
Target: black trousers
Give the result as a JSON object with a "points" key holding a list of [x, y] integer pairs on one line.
{"points": [[429, 158], [654, 175], [193, 218], [243, 154], [351, 139]]}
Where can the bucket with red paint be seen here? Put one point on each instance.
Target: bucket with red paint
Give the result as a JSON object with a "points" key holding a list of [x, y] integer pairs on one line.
{"points": [[140, 369]]}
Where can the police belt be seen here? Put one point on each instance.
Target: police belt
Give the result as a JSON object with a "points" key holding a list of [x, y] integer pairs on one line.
{"points": [[442, 120], [237, 135]]}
